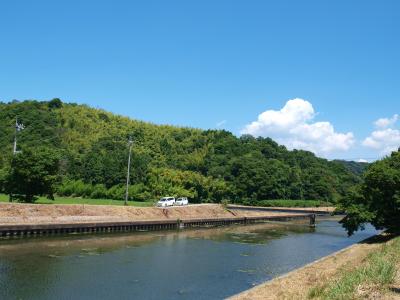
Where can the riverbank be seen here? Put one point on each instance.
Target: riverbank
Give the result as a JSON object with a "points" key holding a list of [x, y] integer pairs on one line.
{"points": [[367, 270], [15, 214]]}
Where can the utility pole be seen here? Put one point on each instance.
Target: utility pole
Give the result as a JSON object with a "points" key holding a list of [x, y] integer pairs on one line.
{"points": [[130, 143], [18, 127]]}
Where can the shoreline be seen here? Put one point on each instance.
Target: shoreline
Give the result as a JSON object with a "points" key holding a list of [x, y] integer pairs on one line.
{"points": [[34, 219], [297, 283], [40, 214]]}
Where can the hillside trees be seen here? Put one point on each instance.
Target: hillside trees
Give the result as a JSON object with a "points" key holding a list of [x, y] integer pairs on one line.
{"points": [[377, 199], [207, 165]]}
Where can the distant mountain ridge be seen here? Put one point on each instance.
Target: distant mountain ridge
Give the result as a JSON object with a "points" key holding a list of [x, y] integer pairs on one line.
{"points": [[205, 165]]}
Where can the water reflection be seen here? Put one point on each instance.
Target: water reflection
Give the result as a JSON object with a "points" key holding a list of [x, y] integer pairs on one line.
{"points": [[207, 263], [100, 243]]}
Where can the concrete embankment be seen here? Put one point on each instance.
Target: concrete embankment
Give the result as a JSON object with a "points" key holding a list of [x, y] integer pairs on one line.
{"points": [[13, 214], [36, 219]]}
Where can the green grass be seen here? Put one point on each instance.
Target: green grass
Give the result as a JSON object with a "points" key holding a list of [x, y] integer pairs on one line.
{"points": [[374, 274], [293, 203], [67, 200]]}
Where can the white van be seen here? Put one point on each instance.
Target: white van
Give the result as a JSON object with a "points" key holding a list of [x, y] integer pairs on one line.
{"points": [[182, 201], [166, 201]]}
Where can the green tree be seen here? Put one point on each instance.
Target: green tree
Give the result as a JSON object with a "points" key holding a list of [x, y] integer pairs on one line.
{"points": [[3, 177], [55, 103], [33, 172], [377, 199]]}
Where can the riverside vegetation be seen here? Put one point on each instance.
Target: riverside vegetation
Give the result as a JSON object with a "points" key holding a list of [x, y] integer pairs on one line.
{"points": [[81, 151], [372, 278]]}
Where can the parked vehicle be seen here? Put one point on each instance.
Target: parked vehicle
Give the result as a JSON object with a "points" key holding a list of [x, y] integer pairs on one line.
{"points": [[166, 201], [182, 201]]}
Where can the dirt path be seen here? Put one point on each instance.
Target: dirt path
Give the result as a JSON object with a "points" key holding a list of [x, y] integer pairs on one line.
{"points": [[296, 284], [12, 213]]}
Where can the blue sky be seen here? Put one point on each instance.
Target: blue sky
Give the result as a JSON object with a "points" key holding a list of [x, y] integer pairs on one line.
{"points": [[209, 63]]}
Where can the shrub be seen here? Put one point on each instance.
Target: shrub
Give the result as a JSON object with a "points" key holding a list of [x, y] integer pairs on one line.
{"points": [[116, 192], [75, 188], [99, 192]]}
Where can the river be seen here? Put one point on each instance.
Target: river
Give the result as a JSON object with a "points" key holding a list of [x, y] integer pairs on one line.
{"points": [[210, 263]]}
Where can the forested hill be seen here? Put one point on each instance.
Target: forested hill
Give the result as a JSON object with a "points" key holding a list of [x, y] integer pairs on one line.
{"points": [[205, 165], [358, 168]]}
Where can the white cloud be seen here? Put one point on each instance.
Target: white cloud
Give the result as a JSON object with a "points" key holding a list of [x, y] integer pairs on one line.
{"points": [[362, 160], [293, 127], [386, 122], [384, 140]]}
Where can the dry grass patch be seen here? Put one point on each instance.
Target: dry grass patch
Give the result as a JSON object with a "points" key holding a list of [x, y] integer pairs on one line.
{"points": [[372, 279]]}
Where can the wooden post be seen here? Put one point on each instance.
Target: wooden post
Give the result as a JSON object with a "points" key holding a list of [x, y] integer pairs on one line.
{"points": [[312, 220]]}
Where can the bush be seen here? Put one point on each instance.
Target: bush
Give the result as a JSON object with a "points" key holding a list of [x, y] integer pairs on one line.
{"points": [[75, 188], [138, 192], [116, 192], [225, 203], [65, 188], [99, 192]]}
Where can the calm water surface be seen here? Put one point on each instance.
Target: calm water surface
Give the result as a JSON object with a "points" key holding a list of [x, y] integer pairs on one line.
{"points": [[190, 264]]}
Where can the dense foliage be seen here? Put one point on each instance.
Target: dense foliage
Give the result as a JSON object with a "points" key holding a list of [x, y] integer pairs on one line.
{"points": [[354, 167], [32, 172], [377, 199], [205, 165]]}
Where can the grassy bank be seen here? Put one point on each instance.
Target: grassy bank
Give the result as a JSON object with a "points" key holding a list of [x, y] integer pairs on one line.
{"points": [[372, 277], [68, 200], [367, 270]]}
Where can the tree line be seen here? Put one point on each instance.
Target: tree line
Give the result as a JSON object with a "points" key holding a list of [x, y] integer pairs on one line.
{"points": [[76, 150]]}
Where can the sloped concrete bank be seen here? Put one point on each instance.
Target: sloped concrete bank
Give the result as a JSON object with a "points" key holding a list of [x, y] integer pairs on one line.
{"points": [[13, 213], [35, 219]]}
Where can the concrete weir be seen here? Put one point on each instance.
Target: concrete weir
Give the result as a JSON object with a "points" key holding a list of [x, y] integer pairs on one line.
{"points": [[31, 230]]}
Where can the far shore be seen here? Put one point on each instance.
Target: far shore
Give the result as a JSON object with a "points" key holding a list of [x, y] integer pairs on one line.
{"points": [[17, 214]]}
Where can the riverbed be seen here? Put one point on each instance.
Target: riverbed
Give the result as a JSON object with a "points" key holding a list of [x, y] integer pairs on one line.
{"points": [[210, 263]]}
